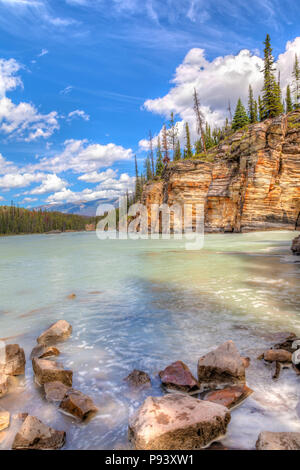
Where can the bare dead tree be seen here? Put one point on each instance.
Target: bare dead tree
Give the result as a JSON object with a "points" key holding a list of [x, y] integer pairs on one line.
{"points": [[199, 119]]}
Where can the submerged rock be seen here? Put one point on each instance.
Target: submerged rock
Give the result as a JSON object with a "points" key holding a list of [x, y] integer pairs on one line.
{"points": [[223, 366], [36, 435], [55, 391], [4, 419], [178, 376], [14, 360], [4, 383], [177, 422], [285, 341], [229, 397], [296, 246], [44, 351], [277, 355], [138, 378], [278, 441], [59, 331], [77, 404], [50, 371]]}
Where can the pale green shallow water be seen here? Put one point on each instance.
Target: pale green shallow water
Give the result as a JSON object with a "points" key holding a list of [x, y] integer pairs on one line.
{"points": [[157, 303]]}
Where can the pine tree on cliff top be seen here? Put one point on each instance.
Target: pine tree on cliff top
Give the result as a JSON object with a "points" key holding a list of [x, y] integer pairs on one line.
{"points": [[252, 107], [159, 160], [188, 152], [138, 183], [271, 99], [296, 83], [240, 118], [172, 134], [288, 100], [165, 145], [177, 155]]}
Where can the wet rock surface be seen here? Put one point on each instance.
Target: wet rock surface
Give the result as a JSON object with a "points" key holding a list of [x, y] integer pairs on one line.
{"points": [[229, 397], [77, 404], [58, 332], [223, 366], [4, 384], [42, 352], [138, 379], [177, 422], [278, 441], [178, 376], [14, 360], [55, 391], [277, 355], [51, 371], [34, 434]]}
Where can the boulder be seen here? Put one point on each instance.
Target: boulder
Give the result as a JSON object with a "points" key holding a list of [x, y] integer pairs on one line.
{"points": [[42, 352], [34, 434], [278, 441], [177, 422], [14, 360], [4, 419], [51, 371], [296, 246], [223, 366], [4, 383], [77, 404], [277, 355], [138, 378], [285, 341], [59, 331], [229, 397], [178, 376], [246, 362], [55, 391]]}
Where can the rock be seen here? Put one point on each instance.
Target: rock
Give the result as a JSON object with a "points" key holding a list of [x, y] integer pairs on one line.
{"points": [[14, 362], [296, 246], [44, 351], [223, 366], [4, 382], [71, 296], [36, 435], [177, 422], [59, 331], [50, 371], [4, 419], [285, 341], [138, 378], [55, 391], [20, 416], [178, 376], [77, 404], [246, 362], [278, 441], [229, 397], [277, 355]]}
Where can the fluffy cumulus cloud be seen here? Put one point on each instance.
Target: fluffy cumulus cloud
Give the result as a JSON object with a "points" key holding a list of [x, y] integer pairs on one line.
{"points": [[95, 177], [19, 180], [217, 82], [51, 183]]}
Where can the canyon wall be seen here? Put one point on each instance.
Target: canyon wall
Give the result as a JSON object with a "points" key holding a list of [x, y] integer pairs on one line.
{"points": [[250, 181]]}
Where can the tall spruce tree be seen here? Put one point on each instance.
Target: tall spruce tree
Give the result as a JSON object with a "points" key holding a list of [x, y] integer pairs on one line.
{"points": [[172, 134], [138, 182], [159, 159], [240, 118], [177, 155], [165, 145], [288, 100], [252, 107], [271, 98], [296, 83], [188, 152], [260, 109]]}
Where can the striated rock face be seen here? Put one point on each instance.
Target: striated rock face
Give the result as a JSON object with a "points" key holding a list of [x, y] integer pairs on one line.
{"points": [[177, 422], [251, 181]]}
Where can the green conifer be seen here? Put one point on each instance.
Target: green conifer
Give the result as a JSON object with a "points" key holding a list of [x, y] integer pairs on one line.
{"points": [[159, 159], [296, 83], [177, 155], [288, 100], [271, 99], [240, 118], [188, 152]]}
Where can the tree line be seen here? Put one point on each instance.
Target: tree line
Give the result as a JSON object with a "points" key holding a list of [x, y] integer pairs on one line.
{"points": [[269, 104], [17, 220]]}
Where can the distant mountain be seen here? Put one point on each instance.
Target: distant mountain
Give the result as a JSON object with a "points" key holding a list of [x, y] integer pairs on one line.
{"points": [[87, 208]]}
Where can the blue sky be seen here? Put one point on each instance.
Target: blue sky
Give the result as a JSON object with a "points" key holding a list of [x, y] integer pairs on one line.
{"points": [[83, 81]]}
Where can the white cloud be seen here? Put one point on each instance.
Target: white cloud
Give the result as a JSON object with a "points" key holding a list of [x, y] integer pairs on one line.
{"points": [[78, 113], [95, 177], [66, 90], [82, 157], [43, 52], [51, 183], [29, 199], [19, 180], [8, 80]]}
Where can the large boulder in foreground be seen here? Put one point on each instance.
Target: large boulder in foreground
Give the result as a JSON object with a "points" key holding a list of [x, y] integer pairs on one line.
{"points": [[223, 366], [51, 371], [55, 391], [59, 331], [178, 377], [4, 419], [36, 435], [230, 397], [14, 362], [138, 379], [177, 422], [296, 246], [79, 405], [4, 383], [278, 441]]}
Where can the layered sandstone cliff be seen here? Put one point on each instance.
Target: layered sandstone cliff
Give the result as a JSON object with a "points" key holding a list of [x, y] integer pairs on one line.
{"points": [[250, 181]]}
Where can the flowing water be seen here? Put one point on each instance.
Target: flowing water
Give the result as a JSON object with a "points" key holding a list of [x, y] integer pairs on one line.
{"points": [[144, 304]]}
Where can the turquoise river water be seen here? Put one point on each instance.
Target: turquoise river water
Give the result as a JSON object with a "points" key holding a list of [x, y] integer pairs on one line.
{"points": [[144, 304]]}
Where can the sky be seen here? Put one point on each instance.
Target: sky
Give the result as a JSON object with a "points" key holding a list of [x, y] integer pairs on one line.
{"points": [[83, 81]]}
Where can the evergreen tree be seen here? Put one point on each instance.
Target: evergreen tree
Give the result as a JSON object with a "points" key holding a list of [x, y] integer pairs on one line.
{"points": [[138, 183], [296, 83], [177, 155], [288, 100], [151, 153], [148, 169], [240, 118], [172, 134], [260, 109], [188, 152], [159, 159], [271, 100], [252, 106], [165, 145], [199, 119]]}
